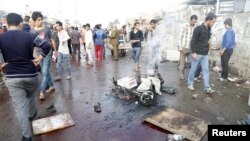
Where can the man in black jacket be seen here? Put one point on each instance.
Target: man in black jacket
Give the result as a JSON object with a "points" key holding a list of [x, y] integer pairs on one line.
{"points": [[199, 50]]}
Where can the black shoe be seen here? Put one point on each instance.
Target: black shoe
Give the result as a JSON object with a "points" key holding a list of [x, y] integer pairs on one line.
{"points": [[32, 118], [51, 109], [97, 107], [26, 139]]}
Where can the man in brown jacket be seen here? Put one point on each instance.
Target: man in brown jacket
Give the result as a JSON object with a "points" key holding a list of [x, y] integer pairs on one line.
{"points": [[114, 41]]}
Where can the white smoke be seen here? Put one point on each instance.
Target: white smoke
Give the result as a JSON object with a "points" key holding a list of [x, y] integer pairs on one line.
{"points": [[160, 41]]}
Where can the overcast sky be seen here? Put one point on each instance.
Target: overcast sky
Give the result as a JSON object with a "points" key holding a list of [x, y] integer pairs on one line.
{"points": [[90, 11]]}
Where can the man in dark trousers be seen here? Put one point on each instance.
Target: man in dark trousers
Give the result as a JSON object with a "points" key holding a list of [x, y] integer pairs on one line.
{"points": [[22, 81]]}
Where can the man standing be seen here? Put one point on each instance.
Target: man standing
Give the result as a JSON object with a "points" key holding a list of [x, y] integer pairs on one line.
{"points": [[199, 50], [83, 41], [184, 43], [44, 33], [153, 42], [89, 44], [26, 26], [63, 52], [136, 37], [99, 36], [114, 41], [22, 80], [228, 44], [76, 41]]}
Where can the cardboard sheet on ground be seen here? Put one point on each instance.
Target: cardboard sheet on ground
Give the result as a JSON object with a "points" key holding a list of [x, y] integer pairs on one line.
{"points": [[52, 123], [125, 46], [127, 82], [176, 122]]}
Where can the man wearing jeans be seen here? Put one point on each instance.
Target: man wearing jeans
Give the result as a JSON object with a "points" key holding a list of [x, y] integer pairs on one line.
{"points": [[22, 81], [45, 33], [136, 37], [199, 49], [63, 52]]}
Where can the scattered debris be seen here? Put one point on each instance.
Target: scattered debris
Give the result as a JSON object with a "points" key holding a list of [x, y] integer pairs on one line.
{"points": [[238, 96], [51, 109], [219, 92], [136, 102], [241, 81], [164, 61], [168, 89], [237, 85], [208, 99], [195, 96], [238, 81], [97, 107], [126, 97], [175, 137], [221, 119], [196, 111]]}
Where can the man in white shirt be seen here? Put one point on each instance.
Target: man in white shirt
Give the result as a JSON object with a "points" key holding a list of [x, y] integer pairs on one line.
{"points": [[89, 44], [63, 52], [184, 42]]}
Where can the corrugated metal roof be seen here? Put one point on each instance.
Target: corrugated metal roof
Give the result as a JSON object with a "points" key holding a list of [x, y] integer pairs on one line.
{"points": [[204, 2]]}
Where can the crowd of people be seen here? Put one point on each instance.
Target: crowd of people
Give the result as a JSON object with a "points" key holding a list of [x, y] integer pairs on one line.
{"points": [[39, 45]]}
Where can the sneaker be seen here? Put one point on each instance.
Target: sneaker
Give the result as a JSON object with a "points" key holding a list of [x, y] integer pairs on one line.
{"points": [[223, 79], [58, 78], [51, 89], [68, 77], [191, 87], [26, 139], [32, 118], [41, 96], [196, 79], [209, 91]]}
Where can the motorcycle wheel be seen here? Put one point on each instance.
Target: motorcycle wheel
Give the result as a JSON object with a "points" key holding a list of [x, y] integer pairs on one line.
{"points": [[147, 98]]}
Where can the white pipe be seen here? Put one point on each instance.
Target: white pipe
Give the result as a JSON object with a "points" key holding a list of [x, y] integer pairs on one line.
{"points": [[217, 7]]}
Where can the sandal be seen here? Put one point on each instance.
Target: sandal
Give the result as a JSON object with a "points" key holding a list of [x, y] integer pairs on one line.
{"points": [[41, 97], [51, 109], [51, 89]]}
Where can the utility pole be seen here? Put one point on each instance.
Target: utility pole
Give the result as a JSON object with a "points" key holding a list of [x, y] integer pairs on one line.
{"points": [[217, 6]]}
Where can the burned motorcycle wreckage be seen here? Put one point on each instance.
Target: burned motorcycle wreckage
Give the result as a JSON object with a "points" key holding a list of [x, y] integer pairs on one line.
{"points": [[144, 87]]}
